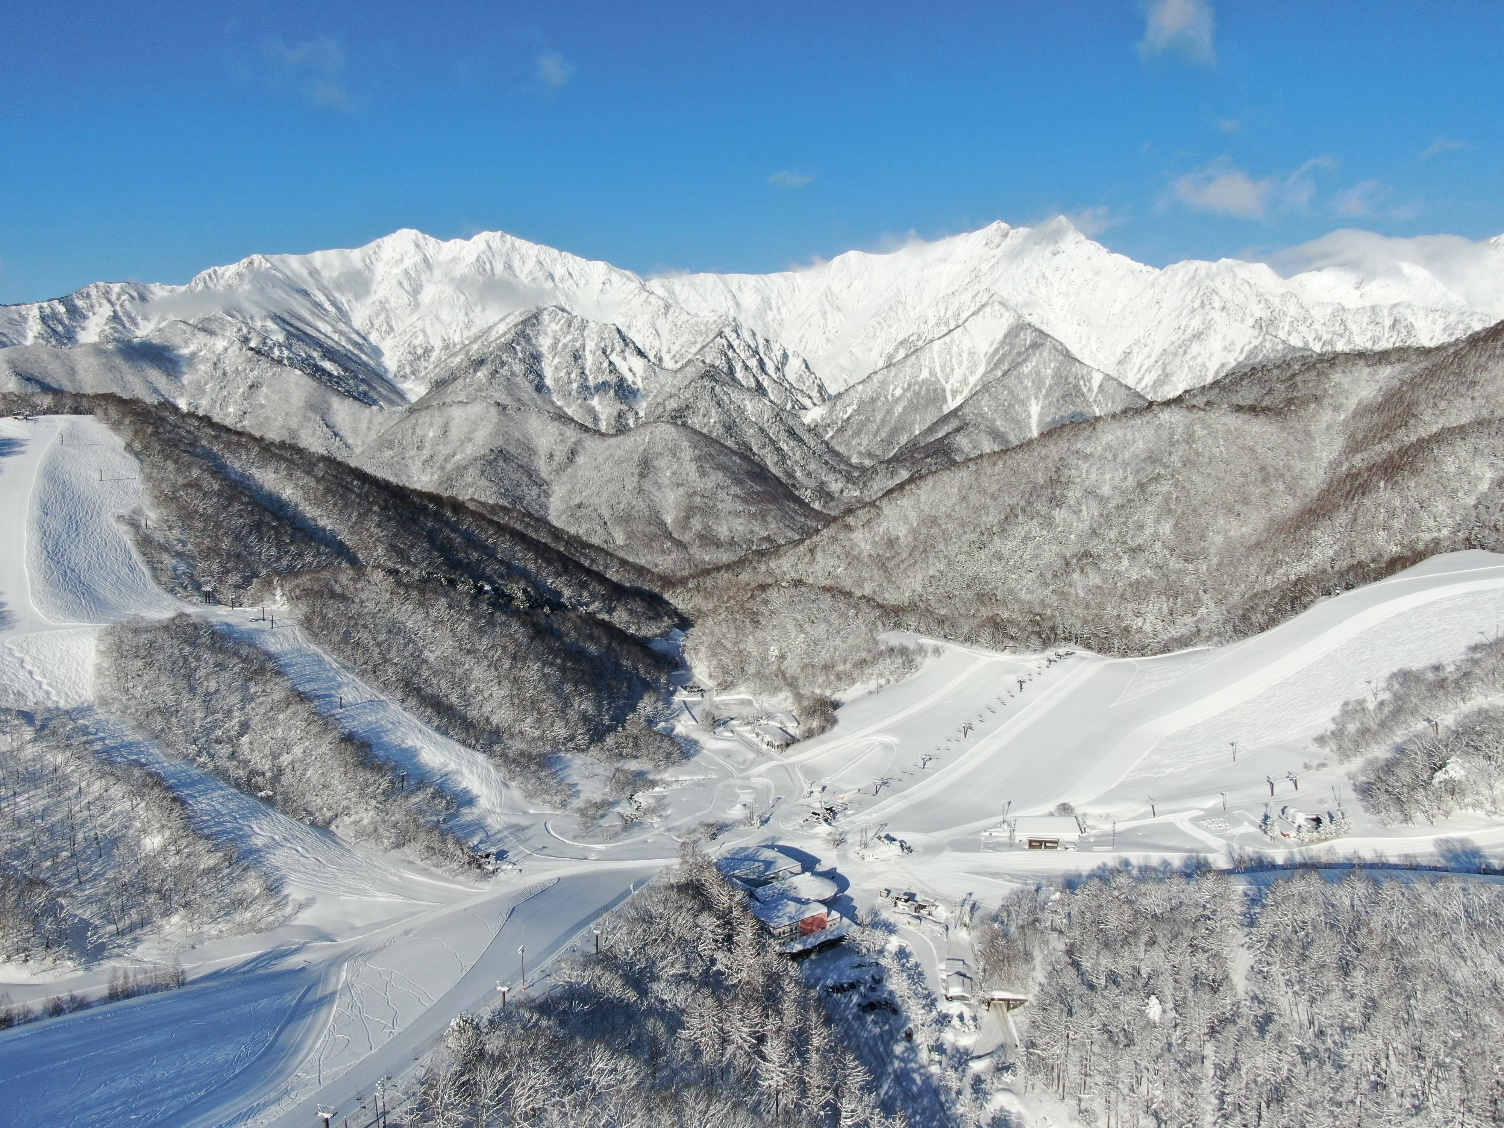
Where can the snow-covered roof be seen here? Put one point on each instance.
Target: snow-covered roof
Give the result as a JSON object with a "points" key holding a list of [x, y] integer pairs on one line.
{"points": [[775, 735], [757, 864], [780, 912], [827, 935], [1046, 826], [800, 887]]}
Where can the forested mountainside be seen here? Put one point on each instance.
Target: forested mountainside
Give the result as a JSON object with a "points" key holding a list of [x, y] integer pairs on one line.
{"points": [[95, 853], [1196, 521], [207, 697], [497, 639], [683, 423]]}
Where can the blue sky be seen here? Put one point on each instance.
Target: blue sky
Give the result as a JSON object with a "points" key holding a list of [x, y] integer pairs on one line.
{"points": [[147, 141]]}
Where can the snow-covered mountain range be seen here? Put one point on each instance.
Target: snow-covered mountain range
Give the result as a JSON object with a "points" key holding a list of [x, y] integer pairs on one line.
{"points": [[746, 406]]}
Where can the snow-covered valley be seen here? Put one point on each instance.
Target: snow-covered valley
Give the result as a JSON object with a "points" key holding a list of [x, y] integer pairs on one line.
{"points": [[917, 787]]}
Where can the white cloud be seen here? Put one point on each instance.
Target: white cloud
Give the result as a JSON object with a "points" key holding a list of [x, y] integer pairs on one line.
{"points": [[790, 181], [1299, 188], [1470, 271], [1184, 26], [1225, 190], [1441, 145], [1094, 221], [314, 68], [554, 71], [1359, 200], [1230, 125]]}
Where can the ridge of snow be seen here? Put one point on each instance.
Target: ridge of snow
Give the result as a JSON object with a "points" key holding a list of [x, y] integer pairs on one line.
{"points": [[404, 301]]}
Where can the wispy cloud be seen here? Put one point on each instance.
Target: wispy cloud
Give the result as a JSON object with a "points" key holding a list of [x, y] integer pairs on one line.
{"points": [[1224, 190], [790, 181], [314, 69], [1441, 145], [1186, 27], [1298, 189], [1362, 199], [1094, 221], [1230, 125], [554, 71]]}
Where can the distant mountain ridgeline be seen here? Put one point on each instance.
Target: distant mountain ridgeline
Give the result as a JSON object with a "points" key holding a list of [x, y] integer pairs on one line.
{"points": [[682, 423]]}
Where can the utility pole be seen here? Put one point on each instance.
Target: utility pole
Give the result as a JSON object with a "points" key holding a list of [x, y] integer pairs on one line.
{"points": [[522, 951], [1153, 814], [1224, 802], [1234, 744]]}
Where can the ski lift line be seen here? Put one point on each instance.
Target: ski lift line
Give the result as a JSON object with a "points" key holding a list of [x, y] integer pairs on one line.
{"points": [[839, 743], [1030, 713]]}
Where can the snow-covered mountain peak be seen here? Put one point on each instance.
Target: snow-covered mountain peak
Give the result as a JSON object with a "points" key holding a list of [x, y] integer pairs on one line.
{"points": [[404, 301]]}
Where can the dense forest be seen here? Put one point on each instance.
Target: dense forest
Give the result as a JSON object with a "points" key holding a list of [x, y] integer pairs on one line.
{"points": [[1430, 742], [542, 655], [245, 722], [1195, 997], [687, 1017]]}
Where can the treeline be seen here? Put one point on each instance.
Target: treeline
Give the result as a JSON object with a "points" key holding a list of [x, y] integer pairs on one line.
{"points": [[1183, 998], [521, 684], [801, 644], [94, 854], [221, 702], [498, 639], [687, 1017], [1195, 522], [1429, 742], [236, 511]]}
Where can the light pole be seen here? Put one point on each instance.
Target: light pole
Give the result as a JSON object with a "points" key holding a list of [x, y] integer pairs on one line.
{"points": [[522, 951]]}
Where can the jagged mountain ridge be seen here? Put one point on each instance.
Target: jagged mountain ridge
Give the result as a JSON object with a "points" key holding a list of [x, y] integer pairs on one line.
{"points": [[514, 374], [1198, 521]]}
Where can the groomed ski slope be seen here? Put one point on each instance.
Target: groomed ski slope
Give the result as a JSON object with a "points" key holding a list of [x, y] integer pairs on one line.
{"points": [[383, 955], [380, 954], [1146, 744]]}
